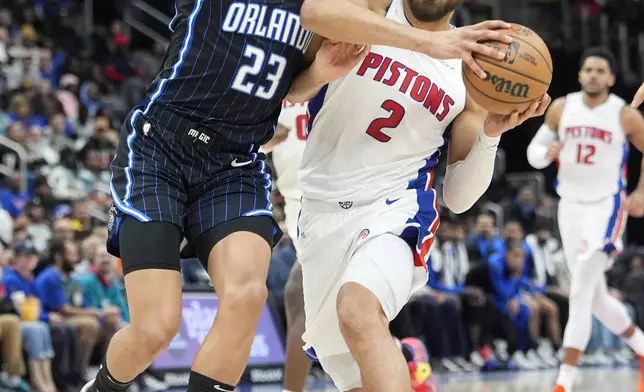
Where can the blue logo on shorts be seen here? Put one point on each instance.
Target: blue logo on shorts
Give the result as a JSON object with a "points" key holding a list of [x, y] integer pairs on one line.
{"points": [[390, 201]]}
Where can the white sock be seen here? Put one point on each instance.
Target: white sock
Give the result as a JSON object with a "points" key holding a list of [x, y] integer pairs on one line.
{"points": [[567, 375], [636, 342]]}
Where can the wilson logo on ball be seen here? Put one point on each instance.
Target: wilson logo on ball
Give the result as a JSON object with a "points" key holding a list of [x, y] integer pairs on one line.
{"points": [[508, 86]]}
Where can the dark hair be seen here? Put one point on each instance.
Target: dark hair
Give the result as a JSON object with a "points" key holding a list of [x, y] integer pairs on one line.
{"points": [[601, 53], [56, 246]]}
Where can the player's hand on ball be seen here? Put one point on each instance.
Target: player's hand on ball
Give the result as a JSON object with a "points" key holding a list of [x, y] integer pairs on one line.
{"points": [[336, 59], [635, 204], [638, 98], [497, 124], [463, 42], [553, 150]]}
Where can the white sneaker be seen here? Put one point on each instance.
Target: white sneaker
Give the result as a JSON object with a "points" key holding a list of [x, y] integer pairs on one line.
{"points": [[520, 359], [450, 366], [532, 356], [88, 387]]}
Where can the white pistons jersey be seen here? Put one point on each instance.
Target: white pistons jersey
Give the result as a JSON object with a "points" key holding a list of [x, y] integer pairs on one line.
{"points": [[592, 163], [380, 127], [288, 154]]}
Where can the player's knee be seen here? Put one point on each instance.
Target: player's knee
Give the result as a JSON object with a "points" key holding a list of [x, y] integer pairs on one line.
{"points": [[358, 310], [248, 297], [156, 329]]}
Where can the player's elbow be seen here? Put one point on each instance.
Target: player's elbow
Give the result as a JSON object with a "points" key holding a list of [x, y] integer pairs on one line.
{"points": [[456, 203]]}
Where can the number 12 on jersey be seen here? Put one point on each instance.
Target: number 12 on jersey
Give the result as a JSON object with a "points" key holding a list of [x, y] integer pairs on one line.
{"points": [[243, 80], [585, 154]]}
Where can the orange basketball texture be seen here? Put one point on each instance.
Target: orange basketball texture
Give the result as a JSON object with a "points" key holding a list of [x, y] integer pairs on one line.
{"points": [[513, 83]]}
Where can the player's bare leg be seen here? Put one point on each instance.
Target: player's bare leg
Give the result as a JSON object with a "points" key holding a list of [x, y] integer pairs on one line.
{"points": [[238, 266], [365, 329], [589, 295], [154, 300], [298, 365]]}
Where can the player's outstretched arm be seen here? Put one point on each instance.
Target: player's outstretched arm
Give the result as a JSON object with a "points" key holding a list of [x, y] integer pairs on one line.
{"points": [[633, 123], [544, 147], [472, 151], [363, 22]]}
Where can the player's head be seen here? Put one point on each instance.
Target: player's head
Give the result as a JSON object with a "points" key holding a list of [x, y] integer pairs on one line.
{"points": [[432, 10], [597, 71]]}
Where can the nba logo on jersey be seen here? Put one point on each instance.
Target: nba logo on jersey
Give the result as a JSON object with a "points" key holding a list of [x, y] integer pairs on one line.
{"points": [[363, 234]]}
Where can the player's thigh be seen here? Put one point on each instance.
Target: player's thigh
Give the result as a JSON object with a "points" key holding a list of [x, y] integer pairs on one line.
{"points": [[385, 266], [570, 230], [604, 226], [147, 179], [343, 370], [225, 198], [150, 257]]}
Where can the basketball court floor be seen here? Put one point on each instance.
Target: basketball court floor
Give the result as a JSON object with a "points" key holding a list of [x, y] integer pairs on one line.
{"points": [[592, 379]]}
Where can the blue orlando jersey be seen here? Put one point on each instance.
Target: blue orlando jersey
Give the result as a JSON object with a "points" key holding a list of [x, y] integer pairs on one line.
{"points": [[230, 64]]}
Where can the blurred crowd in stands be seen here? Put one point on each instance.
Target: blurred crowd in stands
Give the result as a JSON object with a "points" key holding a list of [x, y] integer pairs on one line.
{"points": [[498, 281]]}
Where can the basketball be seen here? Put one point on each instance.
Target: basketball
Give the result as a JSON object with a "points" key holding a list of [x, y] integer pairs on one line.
{"points": [[513, 83]]}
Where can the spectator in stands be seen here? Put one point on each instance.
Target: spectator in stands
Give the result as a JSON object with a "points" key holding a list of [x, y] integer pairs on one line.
{"points": [[521, 300], [11, 346], [63, 229], [21, 112], [39, 229], [483, 242], [523, 209], [13, 199], [15, 132], [58, 133], [102, 288], [81, 220], [43, 196], [52, 287], [63, 178], [18, 282]]}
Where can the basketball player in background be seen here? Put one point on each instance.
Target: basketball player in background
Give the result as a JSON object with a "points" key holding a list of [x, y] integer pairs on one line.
{"points": [[369, 212], [286, 154], [588, 132]]}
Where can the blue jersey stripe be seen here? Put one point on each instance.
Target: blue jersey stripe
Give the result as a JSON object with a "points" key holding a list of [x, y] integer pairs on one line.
{"points": [[187, 41]]}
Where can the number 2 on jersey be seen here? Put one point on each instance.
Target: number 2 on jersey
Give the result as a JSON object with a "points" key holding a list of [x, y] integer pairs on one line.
{"points": [[396, 114], [257, 56], [585, 154]]}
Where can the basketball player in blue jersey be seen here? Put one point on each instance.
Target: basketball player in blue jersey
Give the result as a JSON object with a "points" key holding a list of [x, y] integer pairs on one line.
{"points": [[187, 166]]}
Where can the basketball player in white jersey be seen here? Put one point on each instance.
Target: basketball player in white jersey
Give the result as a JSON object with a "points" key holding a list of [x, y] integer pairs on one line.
{"points": [[287, 155], [369, 212], [588, 132]]}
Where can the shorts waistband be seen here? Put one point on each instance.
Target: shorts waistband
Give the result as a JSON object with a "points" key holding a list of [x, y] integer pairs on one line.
{"points": [[332, 206], [184, 129]]}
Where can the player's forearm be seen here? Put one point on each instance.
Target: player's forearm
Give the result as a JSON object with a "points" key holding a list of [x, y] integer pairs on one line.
{"points": [[538, 148], [342, 20], [467, 180], [305, 86]]}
